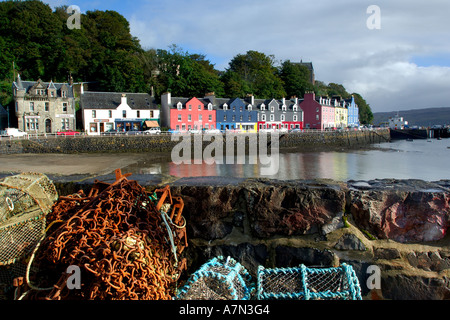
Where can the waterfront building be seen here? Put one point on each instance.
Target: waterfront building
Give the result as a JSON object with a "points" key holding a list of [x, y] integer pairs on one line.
{"points": [[318, 112], [44, 107], [184, 114], [106, 111], [279, 114], [235, 114], [353, 112], [340, 112]]}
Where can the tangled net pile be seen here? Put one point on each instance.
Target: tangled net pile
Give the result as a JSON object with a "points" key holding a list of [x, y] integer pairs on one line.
{"points": [[120, 241]]}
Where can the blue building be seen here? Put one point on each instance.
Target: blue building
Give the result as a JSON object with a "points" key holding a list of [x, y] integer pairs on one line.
{"points": [[353, 112], [236, 114]]}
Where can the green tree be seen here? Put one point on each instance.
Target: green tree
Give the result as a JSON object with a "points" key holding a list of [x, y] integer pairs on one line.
{"points": [[185, 74], [295, 78], [253, 73], [365, 112], [335, 89]]}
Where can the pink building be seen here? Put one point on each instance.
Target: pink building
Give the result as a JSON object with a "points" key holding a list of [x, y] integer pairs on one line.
{"points": [[318, 112], [191, 114]]}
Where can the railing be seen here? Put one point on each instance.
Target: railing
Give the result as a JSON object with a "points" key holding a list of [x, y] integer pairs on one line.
{"points": [[142, 133]]}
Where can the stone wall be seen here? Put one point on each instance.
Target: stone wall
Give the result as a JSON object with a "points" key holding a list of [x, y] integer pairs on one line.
{"points": [[398, 226], [164, 143]]}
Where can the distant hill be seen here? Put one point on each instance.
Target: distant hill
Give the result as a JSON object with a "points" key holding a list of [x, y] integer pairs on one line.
{"points": [[418, 117]]}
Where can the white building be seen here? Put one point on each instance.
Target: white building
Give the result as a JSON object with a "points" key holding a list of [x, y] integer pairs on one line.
{"points": [[105, 111]]}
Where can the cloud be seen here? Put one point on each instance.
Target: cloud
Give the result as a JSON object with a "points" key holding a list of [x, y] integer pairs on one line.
{"points": [[403, 65]]}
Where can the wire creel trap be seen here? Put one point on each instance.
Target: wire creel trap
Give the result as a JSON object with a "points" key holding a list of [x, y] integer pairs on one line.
{"points": [[25, 200], [218, 279], [303, 283]]}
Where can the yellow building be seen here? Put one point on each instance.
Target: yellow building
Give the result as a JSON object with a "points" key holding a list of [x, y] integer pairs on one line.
{"points": [[340, 113]]}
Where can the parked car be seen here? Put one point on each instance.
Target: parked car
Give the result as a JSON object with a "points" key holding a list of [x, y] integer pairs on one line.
{"points": [[133, 133], [296, 130], [195, 131], [212, 131], [153, 131], [14, 132], [68, 133], [109, 133], [283, 130]]}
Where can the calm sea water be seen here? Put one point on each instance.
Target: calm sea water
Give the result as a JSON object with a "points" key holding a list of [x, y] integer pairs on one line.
{"points": [[419, 159]]}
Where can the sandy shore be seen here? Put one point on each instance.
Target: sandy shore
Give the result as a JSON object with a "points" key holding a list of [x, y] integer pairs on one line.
{"points": [[67, 164]]}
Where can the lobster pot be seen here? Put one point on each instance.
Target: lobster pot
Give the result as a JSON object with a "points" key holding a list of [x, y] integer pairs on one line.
{"points": [[304, 283], [218, 279], [25, 200]]}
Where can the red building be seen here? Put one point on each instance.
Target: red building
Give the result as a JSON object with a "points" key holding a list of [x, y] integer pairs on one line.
{"points": [[318, 112], [191, 114]]}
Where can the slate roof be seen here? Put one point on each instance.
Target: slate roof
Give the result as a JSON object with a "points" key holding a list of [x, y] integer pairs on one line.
{"points": [[28, 85], [111, 100]]}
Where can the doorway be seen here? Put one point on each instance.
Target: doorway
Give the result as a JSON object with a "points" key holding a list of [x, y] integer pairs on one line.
{"points": [[48, 126]]}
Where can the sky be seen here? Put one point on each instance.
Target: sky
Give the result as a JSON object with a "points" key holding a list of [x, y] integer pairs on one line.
{"points": [[396, 56]]}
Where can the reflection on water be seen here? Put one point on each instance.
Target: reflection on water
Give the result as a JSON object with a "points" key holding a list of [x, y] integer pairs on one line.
{"points": [[400, 160]]}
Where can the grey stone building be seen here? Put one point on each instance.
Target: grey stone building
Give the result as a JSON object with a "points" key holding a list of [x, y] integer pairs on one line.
{"points": [[44, 107]]}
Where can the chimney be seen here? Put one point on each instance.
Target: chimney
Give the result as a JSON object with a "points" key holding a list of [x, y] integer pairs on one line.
{"points": [[283, 101], [82, 88], [124, 99]]}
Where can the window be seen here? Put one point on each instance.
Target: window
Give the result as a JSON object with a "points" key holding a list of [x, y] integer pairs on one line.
{"points": [[138, 114], [249, 118], [250, 107], [295, 108], [317, 109], [263, 117], [283, 117], [210, 107], [283, 107], [272, 117], [317, 117], [272, 109], [109, 113], [64, 94], [179, 106], [210, 117], [179, 118], [225, 117], [199, 107], [241, 118], [295, 118], [183, 127], [241, 109], [200, 117], [65, 124], [190, 107], [64, 107], [189, 118], [234, 119], [47, 107], [124, 114], [52, 94], [177, 127], [94, 114], [32, 106]]}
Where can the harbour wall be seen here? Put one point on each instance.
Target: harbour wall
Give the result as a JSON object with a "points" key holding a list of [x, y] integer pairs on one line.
{"points": [[398, 226], [164, 143]]}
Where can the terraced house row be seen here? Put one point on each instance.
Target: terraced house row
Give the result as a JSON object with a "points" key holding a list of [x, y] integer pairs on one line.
{"points": [[252, 115], [47, 107]]}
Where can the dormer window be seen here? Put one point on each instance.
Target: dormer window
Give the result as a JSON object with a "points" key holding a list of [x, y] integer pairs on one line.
{"points": [[295, 108], [64, 94], [210, 107], [225, 107], [272, 109], [249, 107], [283, 107], [179, 106], [263, 107]]}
